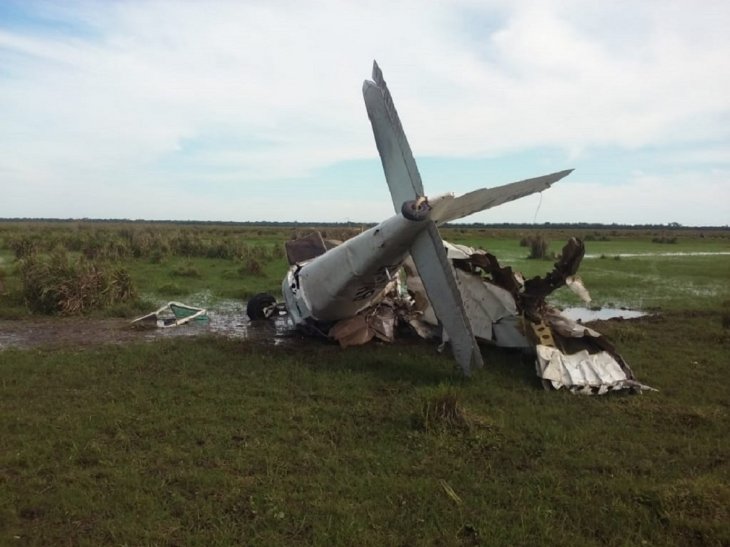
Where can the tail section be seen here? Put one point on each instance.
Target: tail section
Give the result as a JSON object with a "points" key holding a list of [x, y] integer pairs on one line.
{"points": [[427, 250]]}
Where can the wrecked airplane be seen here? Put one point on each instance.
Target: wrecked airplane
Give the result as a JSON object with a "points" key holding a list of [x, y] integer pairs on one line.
{"points": [[401, 272]]}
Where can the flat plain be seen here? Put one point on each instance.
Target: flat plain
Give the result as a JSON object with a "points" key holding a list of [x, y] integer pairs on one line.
{"points": [[201, 440]]}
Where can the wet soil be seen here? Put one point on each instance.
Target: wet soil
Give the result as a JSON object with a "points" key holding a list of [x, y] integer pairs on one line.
{"points": [[57, 332]]}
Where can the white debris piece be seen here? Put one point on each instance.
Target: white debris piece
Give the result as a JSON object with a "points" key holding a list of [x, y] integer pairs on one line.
{"points": [[583, 372]]}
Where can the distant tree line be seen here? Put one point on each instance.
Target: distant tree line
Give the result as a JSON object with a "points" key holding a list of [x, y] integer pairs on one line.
{"points": [[296, 224]]}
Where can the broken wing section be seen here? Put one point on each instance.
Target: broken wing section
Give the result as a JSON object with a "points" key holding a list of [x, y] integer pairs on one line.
{"points": [[401, 172], [447, 210]]}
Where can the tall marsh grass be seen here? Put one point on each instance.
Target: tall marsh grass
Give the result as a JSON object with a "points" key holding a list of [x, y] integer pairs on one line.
{"points": [[60, 285]]}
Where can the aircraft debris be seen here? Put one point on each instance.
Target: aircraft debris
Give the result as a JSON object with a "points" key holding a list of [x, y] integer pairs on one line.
{"points": [[402, 272], [172, 314], [504, 310]]}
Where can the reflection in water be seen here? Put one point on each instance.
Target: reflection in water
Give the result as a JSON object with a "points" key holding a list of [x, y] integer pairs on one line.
{"points": [[584, 314], [231, 324]]}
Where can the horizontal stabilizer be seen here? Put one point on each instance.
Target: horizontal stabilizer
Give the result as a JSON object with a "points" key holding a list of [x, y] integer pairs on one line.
{"points": [[479, 200], [437, 276], [400, 168]]}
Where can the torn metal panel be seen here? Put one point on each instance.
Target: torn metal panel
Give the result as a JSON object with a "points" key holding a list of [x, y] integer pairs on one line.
{"points": [[508, 333], [353, 331], [379, 322], [172, 314], [575, 284], [573, 356], [491, 309], [583, 372]]}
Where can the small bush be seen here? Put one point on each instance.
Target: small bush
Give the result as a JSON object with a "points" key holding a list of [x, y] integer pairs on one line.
{"points": [[23, 247], [664, 239], [442, 413], [596, 236], [251, 266], [538, 247]]}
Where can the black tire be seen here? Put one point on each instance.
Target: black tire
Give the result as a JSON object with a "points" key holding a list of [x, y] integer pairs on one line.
{"points": [[256, 307]]}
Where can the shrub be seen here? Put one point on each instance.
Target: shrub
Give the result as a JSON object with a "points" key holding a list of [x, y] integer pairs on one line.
{"points": [[251, 266], [23, 247], [58, 285], [443, 413], [538, 247]]}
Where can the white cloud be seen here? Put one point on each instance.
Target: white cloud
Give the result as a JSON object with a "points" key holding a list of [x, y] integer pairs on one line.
{"points": [[95, 113]]}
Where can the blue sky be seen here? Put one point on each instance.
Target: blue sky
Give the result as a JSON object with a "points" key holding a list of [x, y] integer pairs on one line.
{"points": [[251, 111]]}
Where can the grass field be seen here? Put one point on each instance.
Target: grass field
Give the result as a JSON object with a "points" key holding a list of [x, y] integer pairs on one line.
{"points": [[201, 441]]}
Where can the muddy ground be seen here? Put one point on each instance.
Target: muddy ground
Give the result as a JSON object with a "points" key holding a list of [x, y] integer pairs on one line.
{"points": [[58, 332]]}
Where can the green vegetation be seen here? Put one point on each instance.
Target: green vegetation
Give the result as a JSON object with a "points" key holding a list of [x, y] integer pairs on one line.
{"points": [[172, 261], [211, 441]]}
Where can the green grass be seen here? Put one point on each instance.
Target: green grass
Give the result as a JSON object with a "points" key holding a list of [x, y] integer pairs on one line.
{"points": [[209, 441], [206, 441]]}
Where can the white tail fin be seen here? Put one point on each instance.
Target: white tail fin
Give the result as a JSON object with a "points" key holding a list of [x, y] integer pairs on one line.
{"points": [[435, 271], [400, 168], [479, 200]]}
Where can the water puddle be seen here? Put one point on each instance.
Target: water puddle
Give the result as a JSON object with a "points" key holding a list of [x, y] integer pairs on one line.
{"points": [[603, 314], [227, 320], [650, 254]]}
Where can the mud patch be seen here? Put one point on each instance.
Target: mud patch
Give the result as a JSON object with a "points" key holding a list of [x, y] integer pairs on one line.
{"points": [[57, 332]]}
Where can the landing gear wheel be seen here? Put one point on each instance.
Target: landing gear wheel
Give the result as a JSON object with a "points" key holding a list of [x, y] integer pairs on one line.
{"points": [[258, 305]]}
